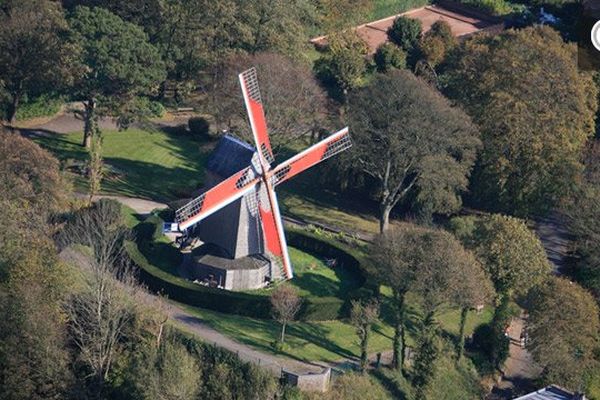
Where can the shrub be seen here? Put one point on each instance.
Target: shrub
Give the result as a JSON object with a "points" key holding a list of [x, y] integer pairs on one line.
{"points": [[405, 32], [43, 106], [389, 56], [199, 128], [156, 109]]}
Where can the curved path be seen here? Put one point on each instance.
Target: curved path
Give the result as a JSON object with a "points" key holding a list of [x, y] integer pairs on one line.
{"points": [[197, 326]]}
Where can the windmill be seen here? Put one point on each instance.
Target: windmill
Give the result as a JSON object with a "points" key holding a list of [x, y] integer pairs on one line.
{"points": [[256, 183]]}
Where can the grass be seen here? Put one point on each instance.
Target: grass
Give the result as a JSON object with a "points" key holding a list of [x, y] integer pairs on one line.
{"points": [[326, 341], [386, 8], [315, 279], [152, 165]]}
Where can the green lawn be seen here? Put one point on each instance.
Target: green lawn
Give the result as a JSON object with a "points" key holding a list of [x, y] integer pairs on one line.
{"points": [[326, 341], [153, 165], [386, 8], [313, 278]]}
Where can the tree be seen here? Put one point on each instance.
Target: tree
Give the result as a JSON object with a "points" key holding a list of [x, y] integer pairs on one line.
{"points": [[363, 315], [35, 54], [582, 208], [102, 312], [536, 112], [394, 267], [345, 63], [563, 332], [389, 56], [405, 32], [293, 106], [34, 355], [285, 304], [515, 260], [169, 372], [37, 188], [118, 62], [339, 15], [437, 42], [408, 139], [427, 354], [511, 253]]}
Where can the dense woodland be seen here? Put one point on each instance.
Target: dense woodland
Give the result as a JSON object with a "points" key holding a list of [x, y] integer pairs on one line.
{"points": [[502, 123]]}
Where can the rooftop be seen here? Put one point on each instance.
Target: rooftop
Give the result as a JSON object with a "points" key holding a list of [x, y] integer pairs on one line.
{"points": [[229, 156], [552, 392]]}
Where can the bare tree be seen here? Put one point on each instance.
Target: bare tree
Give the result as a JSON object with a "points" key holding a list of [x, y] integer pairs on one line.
{"points": [[363, 315], [294, 103], [101, 313], [285, 304]]}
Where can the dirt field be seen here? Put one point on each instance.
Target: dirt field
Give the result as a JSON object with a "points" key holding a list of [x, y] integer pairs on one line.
{"points": [[374, 33]]}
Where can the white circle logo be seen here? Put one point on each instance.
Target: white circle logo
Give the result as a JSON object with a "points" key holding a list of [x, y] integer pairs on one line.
{"points": [[595, 36]]}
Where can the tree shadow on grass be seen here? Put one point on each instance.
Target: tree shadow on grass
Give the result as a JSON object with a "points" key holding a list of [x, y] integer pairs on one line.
{"points": [[137, 178], [390, 384], [261, 333]]}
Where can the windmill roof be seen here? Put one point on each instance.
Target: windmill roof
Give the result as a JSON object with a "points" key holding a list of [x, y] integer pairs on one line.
{"points": [[229, 156]]}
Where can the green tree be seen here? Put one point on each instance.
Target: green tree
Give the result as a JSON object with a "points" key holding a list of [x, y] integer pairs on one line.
{"points": [[389, 56], [424, 367], [118, 63], [35, 54], [437, 42], [345, 63], [511, 253], [34, 354], [563, 332], [363, 315], [408, 139], [582, 208], [167, 373], [515, 260], [536, 112], [405, 32], [434, 265]]}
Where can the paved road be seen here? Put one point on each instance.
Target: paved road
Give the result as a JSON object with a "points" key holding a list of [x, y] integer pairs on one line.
{"points": [[519, 369], [555, 238]]}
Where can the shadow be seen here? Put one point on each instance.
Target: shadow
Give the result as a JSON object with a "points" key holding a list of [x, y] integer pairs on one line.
{"points": [[389, 384], [146, 178], [317, 335]]}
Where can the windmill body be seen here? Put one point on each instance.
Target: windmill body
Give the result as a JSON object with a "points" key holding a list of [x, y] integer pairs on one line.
{"points": [[239, 216]]}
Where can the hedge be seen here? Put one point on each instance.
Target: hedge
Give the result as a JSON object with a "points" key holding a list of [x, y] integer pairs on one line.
{"points": [[254, 305]]}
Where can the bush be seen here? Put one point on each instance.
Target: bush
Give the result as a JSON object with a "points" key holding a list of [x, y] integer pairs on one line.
{"points": [[43, 106], [156, 109], [199, 128], [405, 32], [389, 56]]}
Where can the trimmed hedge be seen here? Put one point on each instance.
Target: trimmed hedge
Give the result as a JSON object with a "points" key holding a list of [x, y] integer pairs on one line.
{"points": [[247, 304]]}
